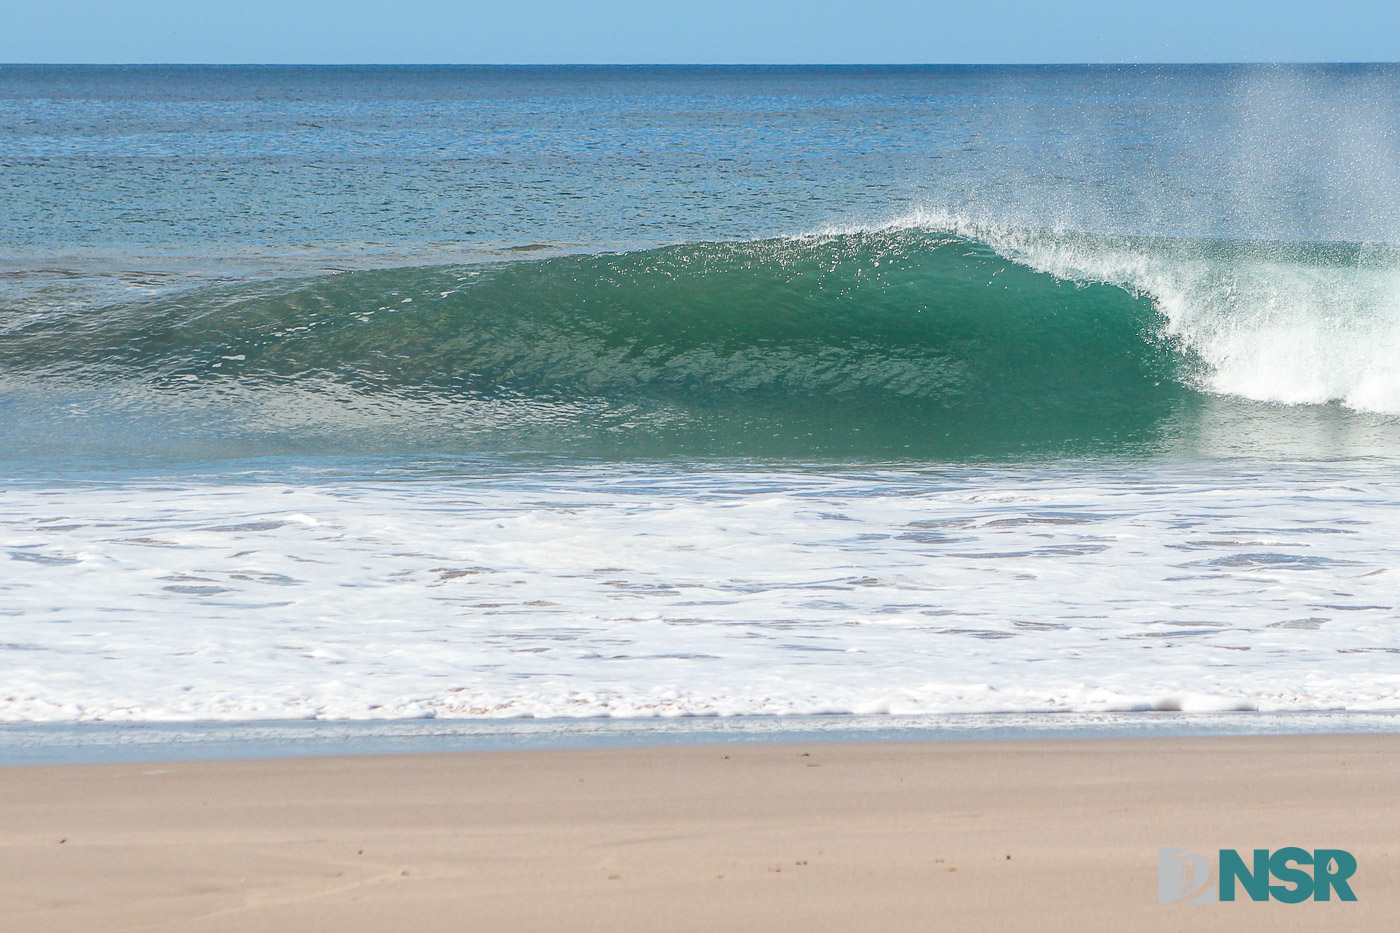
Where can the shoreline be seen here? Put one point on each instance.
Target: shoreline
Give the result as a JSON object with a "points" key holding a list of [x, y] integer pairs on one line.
{"points": [[890, 836], [65, 743]]}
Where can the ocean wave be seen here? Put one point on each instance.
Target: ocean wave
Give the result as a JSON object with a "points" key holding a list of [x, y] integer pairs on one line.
{"points": [[928, 337], [864, 343]]}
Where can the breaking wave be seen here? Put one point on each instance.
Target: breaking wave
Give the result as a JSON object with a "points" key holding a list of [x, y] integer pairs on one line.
{"points": [[927, 338]]}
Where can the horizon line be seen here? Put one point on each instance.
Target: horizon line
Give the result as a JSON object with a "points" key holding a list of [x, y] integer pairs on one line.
{"points": [[958, 64]]}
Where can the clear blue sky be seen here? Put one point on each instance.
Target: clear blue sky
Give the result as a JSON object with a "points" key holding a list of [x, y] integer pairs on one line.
{"points": [[717, 31]]}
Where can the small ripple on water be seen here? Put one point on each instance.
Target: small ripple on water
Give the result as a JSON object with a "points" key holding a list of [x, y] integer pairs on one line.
{"points": [[51, 559], [1276, 560]]}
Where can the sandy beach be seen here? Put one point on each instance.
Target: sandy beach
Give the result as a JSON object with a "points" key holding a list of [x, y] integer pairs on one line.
{"points": [[1045, 835]]}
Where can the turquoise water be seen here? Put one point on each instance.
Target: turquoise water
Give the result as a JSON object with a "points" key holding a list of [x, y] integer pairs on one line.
{"points": [[860, 346], [388, 392]]}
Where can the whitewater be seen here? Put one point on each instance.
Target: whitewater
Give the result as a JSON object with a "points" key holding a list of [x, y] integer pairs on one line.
{"points": [[644, 591], [372, 394]]}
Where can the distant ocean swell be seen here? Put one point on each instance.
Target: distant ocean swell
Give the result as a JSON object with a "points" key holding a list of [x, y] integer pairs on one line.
{"points": [[927, 338]]}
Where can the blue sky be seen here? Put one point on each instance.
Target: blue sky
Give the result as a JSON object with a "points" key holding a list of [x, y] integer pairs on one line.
{"points": [[718, 31]]}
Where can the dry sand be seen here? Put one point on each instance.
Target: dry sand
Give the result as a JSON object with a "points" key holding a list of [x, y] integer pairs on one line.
{"points": [[1034, 835]]}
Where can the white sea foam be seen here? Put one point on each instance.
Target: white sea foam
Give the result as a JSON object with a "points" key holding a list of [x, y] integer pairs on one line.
{"points": [[607, 591]]}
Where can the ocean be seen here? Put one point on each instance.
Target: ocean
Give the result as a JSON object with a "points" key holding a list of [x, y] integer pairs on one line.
{"points": [[388, 393]]}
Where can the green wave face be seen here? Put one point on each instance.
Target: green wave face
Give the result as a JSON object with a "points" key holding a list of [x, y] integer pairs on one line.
{"points": [[903, 344]]}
